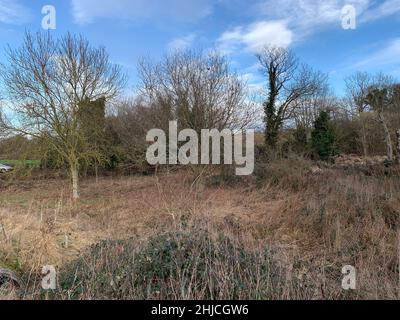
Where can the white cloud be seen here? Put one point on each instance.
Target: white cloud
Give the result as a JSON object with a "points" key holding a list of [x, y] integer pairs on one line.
{"points": [[182, 43], [385, 9], [284, 22], [87, 11], [255, 82], [307, 16], [385, 59], [388, 55], [12, 12], [255, 36]]}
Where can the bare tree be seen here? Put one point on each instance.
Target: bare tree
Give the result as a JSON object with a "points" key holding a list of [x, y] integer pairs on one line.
{"points": [[198, 90], [288, 82], [380, 97], [308, 108], [357, 86], [46, 81]]}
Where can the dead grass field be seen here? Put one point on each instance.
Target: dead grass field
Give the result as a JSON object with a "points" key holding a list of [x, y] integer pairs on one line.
{"points": [[314, 223]]}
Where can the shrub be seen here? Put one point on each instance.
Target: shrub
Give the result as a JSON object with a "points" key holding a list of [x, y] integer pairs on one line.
{"points": [[287, 174], [300, 143], [191, 264], [323, 136]]}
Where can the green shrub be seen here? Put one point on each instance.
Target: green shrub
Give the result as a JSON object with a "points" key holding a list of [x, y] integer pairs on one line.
{"points": [[323, 137]]}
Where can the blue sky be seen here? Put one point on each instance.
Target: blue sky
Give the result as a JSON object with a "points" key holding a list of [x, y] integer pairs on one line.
{"points": [[131, 29]]}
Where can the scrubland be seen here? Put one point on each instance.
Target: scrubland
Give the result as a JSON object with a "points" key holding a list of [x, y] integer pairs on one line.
{"points": [[284, 233]]}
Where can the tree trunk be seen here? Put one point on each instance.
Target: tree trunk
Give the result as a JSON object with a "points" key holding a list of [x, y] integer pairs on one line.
{"points": [[398, 145], [271, 120], [75, 182], [388, 140]]}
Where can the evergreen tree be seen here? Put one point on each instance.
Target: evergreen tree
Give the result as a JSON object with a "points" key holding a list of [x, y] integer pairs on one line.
{"points": [[323, 136]]}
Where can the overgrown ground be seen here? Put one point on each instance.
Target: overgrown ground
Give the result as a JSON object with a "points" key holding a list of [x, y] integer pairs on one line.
{"points": [[285, 233]]}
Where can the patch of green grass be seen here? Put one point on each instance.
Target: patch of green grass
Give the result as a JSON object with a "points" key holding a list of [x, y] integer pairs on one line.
{"points": [[14, 199], [18, 163]]}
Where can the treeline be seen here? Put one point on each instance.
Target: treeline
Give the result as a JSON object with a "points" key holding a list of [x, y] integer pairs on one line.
{"points": [[65, 106]]}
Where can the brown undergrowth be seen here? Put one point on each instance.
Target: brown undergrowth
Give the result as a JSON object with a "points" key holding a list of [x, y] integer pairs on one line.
{"points": [[285, 234]]}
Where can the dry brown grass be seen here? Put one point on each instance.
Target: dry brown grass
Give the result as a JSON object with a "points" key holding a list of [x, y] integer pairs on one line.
{"points": [[315, 224]]}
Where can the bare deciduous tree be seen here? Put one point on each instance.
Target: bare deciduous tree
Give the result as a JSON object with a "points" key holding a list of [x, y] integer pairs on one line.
{"points": [[46, 80], [379, 98], [198, 90], [288, 82], [357, 86], [308, 108]]}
